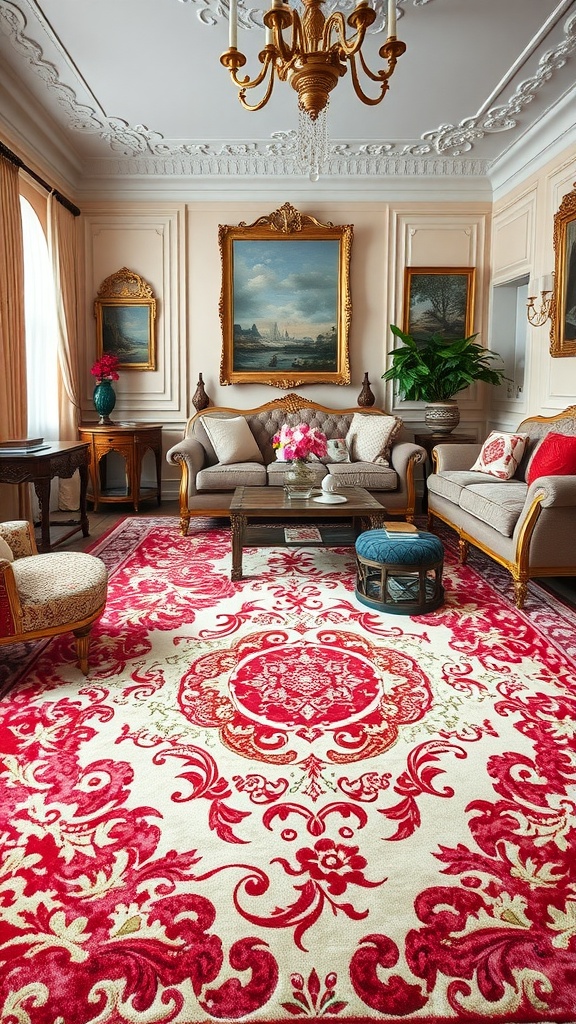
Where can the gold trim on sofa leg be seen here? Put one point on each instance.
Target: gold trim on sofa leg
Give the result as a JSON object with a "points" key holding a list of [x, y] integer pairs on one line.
{"points": [[520, 592], [183, 495], [463, 548]]}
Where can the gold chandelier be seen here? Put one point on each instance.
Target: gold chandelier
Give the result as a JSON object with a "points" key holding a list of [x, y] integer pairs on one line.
{"points": [[317, 55]]}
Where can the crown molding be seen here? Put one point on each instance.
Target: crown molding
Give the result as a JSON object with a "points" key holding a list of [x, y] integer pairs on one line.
{"points": [[146, 159]]}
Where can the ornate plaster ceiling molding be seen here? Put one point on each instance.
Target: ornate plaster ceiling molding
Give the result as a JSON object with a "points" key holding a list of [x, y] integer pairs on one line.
{"points": [[439, 152], [82, 117], [458, 139], [279, 160], [209, 12]]}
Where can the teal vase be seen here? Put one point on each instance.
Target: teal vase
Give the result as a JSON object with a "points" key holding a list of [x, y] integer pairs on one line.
{"points": [[104, 399]]}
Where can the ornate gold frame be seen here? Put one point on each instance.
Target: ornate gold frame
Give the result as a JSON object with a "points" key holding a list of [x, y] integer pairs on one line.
{"points": [[564, 293], [469, 273], [125, 290], [281, 228]]}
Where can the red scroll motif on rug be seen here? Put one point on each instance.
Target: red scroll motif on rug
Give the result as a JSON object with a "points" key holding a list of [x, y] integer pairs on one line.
{"points": [[267, 802]]}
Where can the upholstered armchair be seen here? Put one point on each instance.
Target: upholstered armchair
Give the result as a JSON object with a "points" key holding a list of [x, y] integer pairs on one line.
{"points": [[45, 595]]}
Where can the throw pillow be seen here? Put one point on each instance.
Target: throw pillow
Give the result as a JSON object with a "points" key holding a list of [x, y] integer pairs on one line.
{"points": [[554, 456], [500, 454], [337, 450], [6, 550], [232, 440], [370, 438]]}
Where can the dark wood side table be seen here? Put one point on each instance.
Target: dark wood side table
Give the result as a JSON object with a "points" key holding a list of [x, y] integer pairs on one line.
{"points": [[59, 458], [429, 440], [131, 441]]}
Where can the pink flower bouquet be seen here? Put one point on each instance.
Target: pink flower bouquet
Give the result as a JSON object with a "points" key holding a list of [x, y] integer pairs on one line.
{"points": [[299, 442], [105, 368]]}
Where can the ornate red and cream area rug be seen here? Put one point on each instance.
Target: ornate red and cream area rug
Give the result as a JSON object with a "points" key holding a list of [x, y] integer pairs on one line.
{"points": [[268, 802]]}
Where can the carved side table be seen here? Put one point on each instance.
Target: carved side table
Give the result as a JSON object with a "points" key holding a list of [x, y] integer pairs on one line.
{"points": [[131, 441]]}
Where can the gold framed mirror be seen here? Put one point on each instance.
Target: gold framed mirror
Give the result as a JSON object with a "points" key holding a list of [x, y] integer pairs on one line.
{"points": [[563, 307]]}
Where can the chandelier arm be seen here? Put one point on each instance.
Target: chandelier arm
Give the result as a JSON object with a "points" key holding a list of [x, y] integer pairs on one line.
{"points": [[376, 76], [261, 103], [267, 58], [382, 78], [337, 24], [285, 50]]}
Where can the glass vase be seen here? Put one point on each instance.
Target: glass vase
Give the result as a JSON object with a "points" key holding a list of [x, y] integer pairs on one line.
{"points": [[104, 399], [299, 479]]}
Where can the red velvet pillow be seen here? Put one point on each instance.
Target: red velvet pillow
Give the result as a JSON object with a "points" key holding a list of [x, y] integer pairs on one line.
{"points": [[554, 456]]}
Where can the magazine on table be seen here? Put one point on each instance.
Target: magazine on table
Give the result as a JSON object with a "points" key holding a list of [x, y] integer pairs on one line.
{"points": [[302, 535]]}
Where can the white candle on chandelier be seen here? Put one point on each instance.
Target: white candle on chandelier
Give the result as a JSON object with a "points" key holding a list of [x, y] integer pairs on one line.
{"points": [[233, 37], [391, 27]]}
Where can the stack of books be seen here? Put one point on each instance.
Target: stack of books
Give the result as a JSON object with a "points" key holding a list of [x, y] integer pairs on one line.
{"points": [[23, 446], [403, 531]]}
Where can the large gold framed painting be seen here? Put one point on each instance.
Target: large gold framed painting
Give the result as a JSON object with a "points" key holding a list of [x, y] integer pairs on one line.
{"points": [[563, 309], [285, 304]]}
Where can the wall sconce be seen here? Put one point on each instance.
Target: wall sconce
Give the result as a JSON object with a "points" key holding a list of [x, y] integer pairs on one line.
{"points": [[538, 317]]}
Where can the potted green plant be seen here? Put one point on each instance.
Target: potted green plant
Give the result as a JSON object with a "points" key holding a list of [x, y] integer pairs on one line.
{"points": [[435, 370]]}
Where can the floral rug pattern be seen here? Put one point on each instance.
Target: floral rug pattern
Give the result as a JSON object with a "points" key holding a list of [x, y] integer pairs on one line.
{"points": [[268, 802]]}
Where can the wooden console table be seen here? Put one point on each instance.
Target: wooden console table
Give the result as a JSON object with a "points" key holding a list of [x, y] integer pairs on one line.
{"points": [[59, 458], [131, 441]]}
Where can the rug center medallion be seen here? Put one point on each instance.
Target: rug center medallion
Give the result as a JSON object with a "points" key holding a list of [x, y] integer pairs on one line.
{"points": [[294, 687]]}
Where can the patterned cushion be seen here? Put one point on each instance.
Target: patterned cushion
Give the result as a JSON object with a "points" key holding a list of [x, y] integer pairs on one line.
{"points": [[59, 587], [370, 438], [500, 454], [232, 440], [6, 551]]}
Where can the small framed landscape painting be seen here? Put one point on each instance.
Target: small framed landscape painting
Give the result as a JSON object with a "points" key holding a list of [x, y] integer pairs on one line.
{"points": [[125, 312], [563, 310], [439, 300], [285, 306]]}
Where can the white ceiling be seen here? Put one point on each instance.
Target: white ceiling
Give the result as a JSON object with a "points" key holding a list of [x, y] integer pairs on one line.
{"points": [[135, 89]]}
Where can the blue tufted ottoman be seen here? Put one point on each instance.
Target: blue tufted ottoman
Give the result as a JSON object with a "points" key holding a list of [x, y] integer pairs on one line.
{"points": [[402, 575]]}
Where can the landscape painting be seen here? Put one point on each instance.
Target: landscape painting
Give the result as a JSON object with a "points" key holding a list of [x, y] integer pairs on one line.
{"points": [[126, 334], [439, 300], [285, 307], [125, 311]]}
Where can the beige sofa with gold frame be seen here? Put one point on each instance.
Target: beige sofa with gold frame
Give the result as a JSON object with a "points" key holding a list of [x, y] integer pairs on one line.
{"points": [[206, 487], [529, 529]]}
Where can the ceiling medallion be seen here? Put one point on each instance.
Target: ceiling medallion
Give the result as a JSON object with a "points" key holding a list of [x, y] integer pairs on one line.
{"points": [[317, 54]]}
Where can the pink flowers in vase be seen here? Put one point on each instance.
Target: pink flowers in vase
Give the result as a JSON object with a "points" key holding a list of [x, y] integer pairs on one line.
{"points": [[299, 442], [105, 368]]}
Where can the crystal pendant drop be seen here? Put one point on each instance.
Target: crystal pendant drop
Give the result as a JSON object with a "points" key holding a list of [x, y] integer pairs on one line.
{"points": [[312, 142]]}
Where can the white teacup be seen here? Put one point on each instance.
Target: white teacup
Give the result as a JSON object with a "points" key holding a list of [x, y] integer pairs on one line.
{"points": [[330, 484]]}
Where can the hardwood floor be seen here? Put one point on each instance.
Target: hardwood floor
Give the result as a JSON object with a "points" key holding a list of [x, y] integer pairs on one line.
{"points": [[101, 522]]}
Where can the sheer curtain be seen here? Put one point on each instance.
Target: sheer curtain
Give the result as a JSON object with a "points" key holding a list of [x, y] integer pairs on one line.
{"points": [[62, 250], [41, 330]]}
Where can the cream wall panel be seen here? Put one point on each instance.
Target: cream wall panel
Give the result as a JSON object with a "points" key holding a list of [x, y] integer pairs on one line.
{"points": [[150, 241], [441, 244], [455, 237], [514, 239]]}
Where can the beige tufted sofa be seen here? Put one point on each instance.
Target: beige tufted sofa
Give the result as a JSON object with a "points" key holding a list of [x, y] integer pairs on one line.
{"points": [[529, 529], [45, 595], [206, 487]]}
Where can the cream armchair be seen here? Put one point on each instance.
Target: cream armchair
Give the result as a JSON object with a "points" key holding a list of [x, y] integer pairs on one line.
{"points": [[45, 595]]}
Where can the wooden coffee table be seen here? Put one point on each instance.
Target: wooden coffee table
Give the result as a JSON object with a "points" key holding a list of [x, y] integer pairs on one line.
{"points": [[258, 516]]}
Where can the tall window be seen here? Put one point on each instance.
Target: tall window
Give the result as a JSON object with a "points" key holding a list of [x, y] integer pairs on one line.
{"points": [[41, 329]]}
